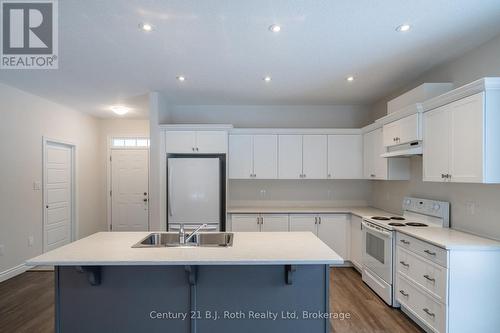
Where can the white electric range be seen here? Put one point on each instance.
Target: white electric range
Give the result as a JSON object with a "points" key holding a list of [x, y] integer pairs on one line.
{"points": [[379, 241]]}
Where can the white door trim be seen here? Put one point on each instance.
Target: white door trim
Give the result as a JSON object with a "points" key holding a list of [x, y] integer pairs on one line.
{"points": [[108, 173], [74, 188]]}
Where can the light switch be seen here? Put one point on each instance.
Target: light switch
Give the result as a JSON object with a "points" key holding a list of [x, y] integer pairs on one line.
{"points": [[36, 186]]}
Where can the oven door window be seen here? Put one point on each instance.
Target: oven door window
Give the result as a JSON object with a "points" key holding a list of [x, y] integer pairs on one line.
{"points": [[375, 247]]}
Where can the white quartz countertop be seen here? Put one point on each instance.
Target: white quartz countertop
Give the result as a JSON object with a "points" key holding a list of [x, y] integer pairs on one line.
{"points": [[358, 211], [451, 239], [249, 248]]}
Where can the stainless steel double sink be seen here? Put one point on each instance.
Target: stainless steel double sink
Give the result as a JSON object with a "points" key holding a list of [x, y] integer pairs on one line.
{"points": [[171, 239]]}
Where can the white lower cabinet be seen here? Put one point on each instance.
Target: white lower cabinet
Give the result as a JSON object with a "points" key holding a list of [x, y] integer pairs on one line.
{"points": [[448, 290], [332, 229], [259, 222], [356, 239]]}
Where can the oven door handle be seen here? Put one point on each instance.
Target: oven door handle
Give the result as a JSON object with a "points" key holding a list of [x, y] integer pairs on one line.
{"points": [[386, 234]]}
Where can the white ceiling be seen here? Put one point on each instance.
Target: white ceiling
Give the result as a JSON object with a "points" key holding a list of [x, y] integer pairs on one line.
{"points": [[224, 48]]}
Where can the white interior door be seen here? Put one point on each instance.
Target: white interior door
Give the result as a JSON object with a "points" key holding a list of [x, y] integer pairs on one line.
{"points": [[129, 190], [58, 195]]}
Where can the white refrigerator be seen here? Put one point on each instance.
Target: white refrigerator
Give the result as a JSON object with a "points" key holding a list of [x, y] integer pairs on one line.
{"points": [[195, 192]]}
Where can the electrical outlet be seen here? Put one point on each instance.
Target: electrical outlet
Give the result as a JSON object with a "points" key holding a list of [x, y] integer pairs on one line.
{"points": [[2, 250], [262, 193], [471, 207], [31, 241], [36, 186]]}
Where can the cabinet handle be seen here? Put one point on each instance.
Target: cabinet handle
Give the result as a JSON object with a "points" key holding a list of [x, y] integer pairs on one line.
{"points": [[319, 218], [193, 148], [372, 175], [304, 175], [402, 292], [404, 242], [430, 252], [404, 264], [448, 176], [429, 278], [429, 312], [197, 149], [443, 175], [315, 220], [329, 175]]}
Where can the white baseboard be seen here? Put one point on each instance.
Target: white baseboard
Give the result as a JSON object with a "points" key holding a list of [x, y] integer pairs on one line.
{"points": [[10, 273]]}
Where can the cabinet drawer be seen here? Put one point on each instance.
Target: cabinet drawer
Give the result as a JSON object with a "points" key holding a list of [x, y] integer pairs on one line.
{"points": [[426, 250], [423, 306], [428, 275]]}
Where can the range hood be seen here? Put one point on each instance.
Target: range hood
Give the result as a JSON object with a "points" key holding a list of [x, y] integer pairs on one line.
{"points": [[404, 150]]}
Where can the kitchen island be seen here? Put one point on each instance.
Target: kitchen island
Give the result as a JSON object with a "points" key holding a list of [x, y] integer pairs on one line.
{"points": [[264, 282]]}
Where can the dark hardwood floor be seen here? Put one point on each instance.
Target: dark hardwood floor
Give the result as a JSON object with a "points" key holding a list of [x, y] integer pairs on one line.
{"points": [[27, 305]]}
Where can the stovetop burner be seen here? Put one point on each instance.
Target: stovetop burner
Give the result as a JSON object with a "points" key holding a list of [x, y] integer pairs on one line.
{"points": [[416, 224], [397, 218], [380, 218], [397, 224]]}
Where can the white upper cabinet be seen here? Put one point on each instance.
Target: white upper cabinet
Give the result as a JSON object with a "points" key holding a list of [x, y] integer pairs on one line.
{"points": [[345, 156], [314, 156], [265, 156], [240, 156], [462, 141], [401, 131], [180, 141], [376, 167], [196, 142], [253, 156], [290, 157]]}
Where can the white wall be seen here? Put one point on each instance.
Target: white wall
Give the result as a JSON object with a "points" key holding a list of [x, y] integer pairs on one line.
{"points": [[275, 116], [294, 192], [24, 120], [481, 62]]}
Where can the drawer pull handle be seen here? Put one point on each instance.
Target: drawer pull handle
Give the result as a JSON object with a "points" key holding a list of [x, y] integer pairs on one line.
{"points": [[404, 264], [428, 312], [404, 242], [403, 293], [429, 278], [430, 253]]}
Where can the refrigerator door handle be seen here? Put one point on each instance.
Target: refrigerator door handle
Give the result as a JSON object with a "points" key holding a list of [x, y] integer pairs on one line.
{"points": [[169, 196]]}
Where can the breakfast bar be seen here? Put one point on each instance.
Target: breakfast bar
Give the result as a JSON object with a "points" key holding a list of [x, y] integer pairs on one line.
{"points": [[266, 282]]}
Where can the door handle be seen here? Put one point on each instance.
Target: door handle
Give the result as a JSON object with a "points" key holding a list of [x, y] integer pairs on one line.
{"points": [[145, 200]]}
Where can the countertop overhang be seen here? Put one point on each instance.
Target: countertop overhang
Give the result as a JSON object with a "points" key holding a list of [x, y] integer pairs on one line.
{"points": [[249, 248]]}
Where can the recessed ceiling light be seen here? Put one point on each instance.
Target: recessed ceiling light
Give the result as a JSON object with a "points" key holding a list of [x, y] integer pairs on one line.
{"points": [[267, 78], [350, 78], [146, 27], [181, 78], [120, 109], [275, 28], [403, 28]]}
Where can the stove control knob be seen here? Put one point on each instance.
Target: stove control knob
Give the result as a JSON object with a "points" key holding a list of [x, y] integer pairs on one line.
{"points": [[436, 206]]}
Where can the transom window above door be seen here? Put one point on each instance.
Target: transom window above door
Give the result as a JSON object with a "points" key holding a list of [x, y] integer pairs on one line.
{"points": [[129, 142]]}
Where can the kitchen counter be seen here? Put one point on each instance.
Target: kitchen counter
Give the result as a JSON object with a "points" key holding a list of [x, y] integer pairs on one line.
{"points": [[450, 239], [115, 248], [358, 211]]}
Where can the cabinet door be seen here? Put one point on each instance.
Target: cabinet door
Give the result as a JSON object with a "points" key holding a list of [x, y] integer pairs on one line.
{"points": [[436, 144], [314, 156], [304, 223], [274, 222], [240, 157], [391, 132], [380, 163], [333, 231], [368, 155], [211, 142], [245, 222], [265, 156], [356, 241], [290, 156], [409, 129], [345, 157], [180, 141], [466, 139]]}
